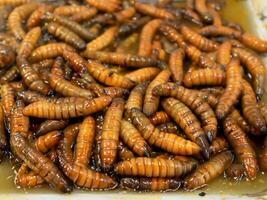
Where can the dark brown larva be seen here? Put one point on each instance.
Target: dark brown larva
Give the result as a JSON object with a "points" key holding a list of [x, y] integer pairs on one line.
{"points": [[263, 157], [7, 56], [235, 171], [242, 147], [195, 103], [66, 108], [150, 184], [169, 142], [188, 122], [30, 96], [218, 145], [124, 153], [153, 167], [209, 171]]}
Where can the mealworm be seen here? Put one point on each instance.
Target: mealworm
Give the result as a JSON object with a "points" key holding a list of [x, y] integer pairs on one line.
{"points": [[68, 10], [183, 116], [81, 176], [14, 2], [66, 35], [29, 180], [253, 42], [37, 15], [49, 51], [135, 99], [115, 92], [3, 140], [239, 119], [39, 163], [209, 171], [263, 157], [242, 147], [151, 10], [254, 67], [17, 16], [65, 108], [218, 145], [8, 102], [45, 142], [71, 25], [133, 139], [176, 65], [169, 142], [207, 77], [153, 167], [50, 125], [18, 122], [223, 55], [250, 108], [197, 40], [11, 74], [235, 171], [124, 153], [151, 102], [30, 77], [7, 56], [146, 37], [192, 16], [233, 89], [30, 96], [202, 9], [150, 184], [104, 5], [195, 103], [84, 15], [106, 76], [84, 142], [110, 134], [103, 40], [29, 42], [131, 26], [215, 31], [122, 59], [144, 74], [159, 117]]}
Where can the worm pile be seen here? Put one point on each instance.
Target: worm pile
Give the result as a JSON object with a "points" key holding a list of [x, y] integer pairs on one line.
{"points": [[106, 94]]}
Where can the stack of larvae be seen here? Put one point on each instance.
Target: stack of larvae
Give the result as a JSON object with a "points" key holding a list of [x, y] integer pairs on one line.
{"points": [[106, 94]]}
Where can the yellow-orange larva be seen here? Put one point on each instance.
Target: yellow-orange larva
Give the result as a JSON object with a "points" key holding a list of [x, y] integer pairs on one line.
{"points": [[103, 40], [223, 55], [209, 170], [3, 140], [167, 141], [45, 142], [48, 51], [176, 65], [253, 42], [65, 108], [202, 8], [106, 76], [124, 153], [188, 122], [199, 41], [159, 117], [8, 101], [146, 37], [11, 74], [17, 16], [153, 11], [104, 5], [84, 142], [153, 167], [242, 147], [233, 89], [14, 2], [84, 15], [144, 74], [110, 134], [133, 139], [69, 10], [151, 102]]}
